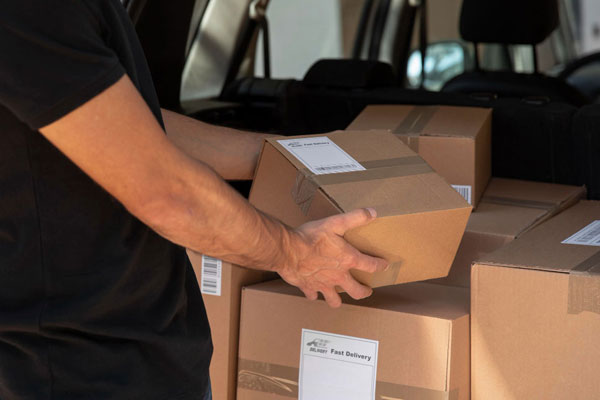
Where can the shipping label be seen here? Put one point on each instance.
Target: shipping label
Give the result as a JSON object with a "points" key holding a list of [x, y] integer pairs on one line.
{"points": [[211, 276], [464, 191], [321, 156], [337, 367], [588, 236]]}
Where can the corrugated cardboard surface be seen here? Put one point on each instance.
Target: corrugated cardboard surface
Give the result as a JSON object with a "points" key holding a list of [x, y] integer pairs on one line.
{"points": [[508, 209], [455, 141], [420, 217], [527, 340], [422, 332], [224, 316]]}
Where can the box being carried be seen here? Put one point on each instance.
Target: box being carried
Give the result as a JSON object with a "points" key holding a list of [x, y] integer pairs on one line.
{"points": [[221, 285], [535, 303], [420, 218], [508, 209], [455, 141], [404, 342]]}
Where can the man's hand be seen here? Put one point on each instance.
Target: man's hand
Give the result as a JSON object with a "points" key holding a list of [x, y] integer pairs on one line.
{"points": [[320, 259]]}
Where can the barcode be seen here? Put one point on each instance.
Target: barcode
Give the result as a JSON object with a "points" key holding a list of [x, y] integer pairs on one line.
{"points": [[588, 236], [336, 167], [211, 276], [464, 191]]}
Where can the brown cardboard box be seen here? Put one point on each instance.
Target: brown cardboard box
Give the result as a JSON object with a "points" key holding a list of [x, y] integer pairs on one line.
{"points": [[508, 209], [420, 218], [224, 315], [455, 141], [422, 332], [535, 313]]}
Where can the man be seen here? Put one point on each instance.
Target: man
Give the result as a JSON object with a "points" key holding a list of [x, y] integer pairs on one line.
{"points": [[96, 302]]}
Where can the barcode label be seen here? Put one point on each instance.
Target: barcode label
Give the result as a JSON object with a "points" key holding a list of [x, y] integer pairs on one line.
{"points": [[588, 236], [464, 191], [211, 276], [321, 156]]}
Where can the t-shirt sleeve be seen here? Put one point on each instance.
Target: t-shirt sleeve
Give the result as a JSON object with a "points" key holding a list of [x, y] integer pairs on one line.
{"points": [[53, 58]]}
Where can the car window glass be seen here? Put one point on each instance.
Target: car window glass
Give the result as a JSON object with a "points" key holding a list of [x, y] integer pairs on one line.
{"points": [[304, 31]]}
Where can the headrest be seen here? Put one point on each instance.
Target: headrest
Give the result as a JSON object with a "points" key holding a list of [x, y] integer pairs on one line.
{"points": [[508, 21], [350, 74]]}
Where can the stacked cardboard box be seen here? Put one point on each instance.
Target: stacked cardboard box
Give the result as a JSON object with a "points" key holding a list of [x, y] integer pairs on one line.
{"points": [[420, 218], [508, 209], [535, 312], [455, 141], [221, 285], [407, 341]]}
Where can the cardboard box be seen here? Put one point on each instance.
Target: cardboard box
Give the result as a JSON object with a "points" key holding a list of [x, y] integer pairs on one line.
{"points": [[420, 218], [508, 209], [455, 141], [422, 334], [221, 286], [535, 312]]}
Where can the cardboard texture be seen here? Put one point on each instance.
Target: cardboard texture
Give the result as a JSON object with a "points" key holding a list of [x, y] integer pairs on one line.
{"points": [[224, 315], [535, 314], [508, 209], [420, 218], [455, 141], [422, 329]]}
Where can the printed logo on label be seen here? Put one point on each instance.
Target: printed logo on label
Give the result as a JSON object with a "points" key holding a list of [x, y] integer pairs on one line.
{"points": [[318, 343]]}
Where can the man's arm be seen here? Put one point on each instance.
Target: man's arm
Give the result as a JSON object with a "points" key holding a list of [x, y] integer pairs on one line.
{"points": [[116, 140], [231, 153]]}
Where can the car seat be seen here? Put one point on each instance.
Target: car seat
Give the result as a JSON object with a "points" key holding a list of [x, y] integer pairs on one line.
{"points": [[511, 22]]}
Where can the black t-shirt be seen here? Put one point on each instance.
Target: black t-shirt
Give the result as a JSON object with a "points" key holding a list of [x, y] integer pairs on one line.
{"points": [[93, 304]]}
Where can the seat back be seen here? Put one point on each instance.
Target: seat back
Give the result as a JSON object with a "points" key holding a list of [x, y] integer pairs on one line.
{"points": [[511, 22]]}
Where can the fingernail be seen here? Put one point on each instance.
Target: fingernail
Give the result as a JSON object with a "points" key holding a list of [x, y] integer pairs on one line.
{"points": [[387, 267], [372, 212]]}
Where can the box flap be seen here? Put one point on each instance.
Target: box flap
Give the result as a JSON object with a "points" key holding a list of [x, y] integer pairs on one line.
{"points": [[510, 207], [423, 120], [393, 173], [435, 301], [542, 247]]}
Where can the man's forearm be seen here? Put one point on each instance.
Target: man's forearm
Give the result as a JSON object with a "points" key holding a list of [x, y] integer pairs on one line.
{"points": [[203, 213], [231, 153], [116, 140]]}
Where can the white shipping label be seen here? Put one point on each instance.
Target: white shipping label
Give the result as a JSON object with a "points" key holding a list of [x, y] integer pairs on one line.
{"points": [[588, 236], [464, 191], [337, 367], [211, 276], [321, 156]]}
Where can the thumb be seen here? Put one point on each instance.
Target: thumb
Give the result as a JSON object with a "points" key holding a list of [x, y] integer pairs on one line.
{"points": [[342, 223]]}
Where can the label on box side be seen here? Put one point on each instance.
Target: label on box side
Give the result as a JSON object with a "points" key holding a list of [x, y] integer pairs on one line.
{"points": [[211, 276], [337, 367], [464, 191], [588, 236], [321, 156]]}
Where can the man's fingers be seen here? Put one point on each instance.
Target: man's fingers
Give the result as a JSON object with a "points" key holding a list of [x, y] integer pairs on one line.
{"points": [[310, 294], [369, 264], [342, 223], [332, 298], [355, 289]]}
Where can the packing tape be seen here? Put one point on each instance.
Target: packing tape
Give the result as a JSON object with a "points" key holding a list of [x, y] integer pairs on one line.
{"points": [[306, 184], [584, 286], [283, 381], [414, 123], [507, 201]]}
